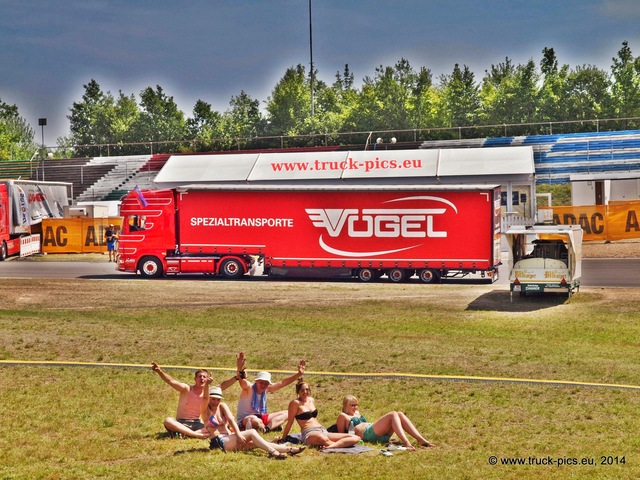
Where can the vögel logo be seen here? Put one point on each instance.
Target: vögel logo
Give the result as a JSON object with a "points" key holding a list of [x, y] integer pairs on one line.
{"points": [[380, 223]]}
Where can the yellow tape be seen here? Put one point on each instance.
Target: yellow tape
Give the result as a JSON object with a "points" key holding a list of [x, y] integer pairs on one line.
{"points": [[389, 376]]}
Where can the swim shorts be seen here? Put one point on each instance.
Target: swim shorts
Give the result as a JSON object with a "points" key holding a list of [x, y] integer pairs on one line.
{"points": [[370, 436]]}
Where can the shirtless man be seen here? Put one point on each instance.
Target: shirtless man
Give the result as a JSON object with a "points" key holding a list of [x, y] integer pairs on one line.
{"points": [[187, 420], [252, 405]]}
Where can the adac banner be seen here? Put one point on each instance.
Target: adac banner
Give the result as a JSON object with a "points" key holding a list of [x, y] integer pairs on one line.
{"points": [[616, 221], [76, 235]]}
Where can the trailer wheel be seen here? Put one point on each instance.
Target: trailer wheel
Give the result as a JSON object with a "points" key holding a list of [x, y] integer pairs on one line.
{"points": [[231, 268], [367, 275], [397, 275], [3, 251], [427, 275], [150, 267]]}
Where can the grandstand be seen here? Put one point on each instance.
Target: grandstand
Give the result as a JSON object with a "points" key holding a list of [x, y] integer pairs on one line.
{"points": [[557, 157]]}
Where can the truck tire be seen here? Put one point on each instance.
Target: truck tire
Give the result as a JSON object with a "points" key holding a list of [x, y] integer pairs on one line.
{"points": [[231, 268], [366, 275], [427, 275], [3, 251], [150, 267], [397, 275]]}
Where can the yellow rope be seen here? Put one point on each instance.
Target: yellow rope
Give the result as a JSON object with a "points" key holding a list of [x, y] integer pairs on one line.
{"points": [[391, 376]]}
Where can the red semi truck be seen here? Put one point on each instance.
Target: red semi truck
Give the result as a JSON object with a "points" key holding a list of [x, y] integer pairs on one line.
{"points": [[23, 205], [367, 231]]}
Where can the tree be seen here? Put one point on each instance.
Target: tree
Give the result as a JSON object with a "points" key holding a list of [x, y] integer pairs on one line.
{"points": [[587, 93], [290, 103], [123, 118], [386, 101], [205, 126], [244, 119], [626, 86], [552, 95], [16, 135], [160, 120], [90, 119], [461, 94], [510, 94]]}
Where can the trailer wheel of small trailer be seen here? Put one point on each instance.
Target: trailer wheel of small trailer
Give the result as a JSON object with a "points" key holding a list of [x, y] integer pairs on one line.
{"points": [[3, 251], [150, 267], [398, 275], [367, 274], [427, 275], [231, 268]]}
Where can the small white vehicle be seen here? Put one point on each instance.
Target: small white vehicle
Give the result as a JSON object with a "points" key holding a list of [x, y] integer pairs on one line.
{"points": [[544, 258]]}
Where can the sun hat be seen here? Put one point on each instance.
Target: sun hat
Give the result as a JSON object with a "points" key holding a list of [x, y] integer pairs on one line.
{"points": [[266, 376], [215, 392]]}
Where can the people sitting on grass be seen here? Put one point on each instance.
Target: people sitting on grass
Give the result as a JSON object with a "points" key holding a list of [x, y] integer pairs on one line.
{"points": [[382, 429], [303, 410], [187, 422], [219, 417], [252, 404]]}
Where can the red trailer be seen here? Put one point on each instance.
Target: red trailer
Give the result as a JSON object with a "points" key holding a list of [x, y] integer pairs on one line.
{"points": [[364, 230], [23, 205]]}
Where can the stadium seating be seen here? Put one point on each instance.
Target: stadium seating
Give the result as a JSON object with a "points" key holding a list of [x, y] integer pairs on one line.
{"points": [[556, 157]]}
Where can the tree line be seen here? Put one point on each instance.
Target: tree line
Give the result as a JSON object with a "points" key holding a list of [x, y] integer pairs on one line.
{"points": [[397, 97]]}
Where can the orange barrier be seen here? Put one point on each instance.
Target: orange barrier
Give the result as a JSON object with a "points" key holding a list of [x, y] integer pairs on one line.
{"points": [[76, 235], [617, 221]]}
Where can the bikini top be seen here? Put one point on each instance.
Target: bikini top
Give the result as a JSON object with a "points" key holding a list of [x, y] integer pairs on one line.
{"points": [[307, 415], [214, 422], [357, 420]]}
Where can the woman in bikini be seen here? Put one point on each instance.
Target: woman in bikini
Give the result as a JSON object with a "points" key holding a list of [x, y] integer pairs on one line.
{"points": [[381, 430], [218, 415], [303, 410]]}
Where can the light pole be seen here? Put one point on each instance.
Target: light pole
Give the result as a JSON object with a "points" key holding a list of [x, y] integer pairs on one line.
{"points": [[42, 122], [311, 55]]}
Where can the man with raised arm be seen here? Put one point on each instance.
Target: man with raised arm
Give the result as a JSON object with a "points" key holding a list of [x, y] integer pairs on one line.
{"points": [[187, 421], [252, 405]]}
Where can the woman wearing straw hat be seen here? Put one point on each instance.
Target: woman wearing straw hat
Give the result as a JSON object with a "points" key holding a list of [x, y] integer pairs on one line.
{"points": [[218, 417]]}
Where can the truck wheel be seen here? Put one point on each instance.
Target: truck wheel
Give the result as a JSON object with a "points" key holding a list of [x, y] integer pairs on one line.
{"points": [[397, 275], [366, 275], [150, 267], [231, 268], [3, 251], [427, 275]]}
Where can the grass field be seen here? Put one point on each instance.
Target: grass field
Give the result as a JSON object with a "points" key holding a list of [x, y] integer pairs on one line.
{"points": [[87, 422]]}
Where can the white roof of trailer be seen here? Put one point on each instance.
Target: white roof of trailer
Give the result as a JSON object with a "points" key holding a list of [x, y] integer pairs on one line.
{"points": [[336, 187], [377, 166]]}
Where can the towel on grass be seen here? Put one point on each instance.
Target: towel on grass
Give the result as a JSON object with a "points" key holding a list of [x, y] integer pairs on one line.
{"points": [[355, 449]]}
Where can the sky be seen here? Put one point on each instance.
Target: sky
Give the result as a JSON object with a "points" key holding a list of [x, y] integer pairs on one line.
{"points": [[211, 50]]}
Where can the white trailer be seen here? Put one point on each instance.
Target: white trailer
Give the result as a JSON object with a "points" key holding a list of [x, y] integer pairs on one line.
{"points": [[544, 258]]}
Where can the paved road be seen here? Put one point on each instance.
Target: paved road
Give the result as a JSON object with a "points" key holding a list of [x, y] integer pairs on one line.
{"points": [[595, 272]]}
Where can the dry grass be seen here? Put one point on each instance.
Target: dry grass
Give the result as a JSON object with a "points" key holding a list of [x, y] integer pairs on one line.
{"points": [[66, 422]]}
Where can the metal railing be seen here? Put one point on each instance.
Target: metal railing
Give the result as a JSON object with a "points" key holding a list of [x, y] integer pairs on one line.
{"points": [[358, 139]]}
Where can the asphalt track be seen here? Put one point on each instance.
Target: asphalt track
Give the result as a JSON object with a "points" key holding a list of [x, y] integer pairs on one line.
{"points": [[609, 272]]}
